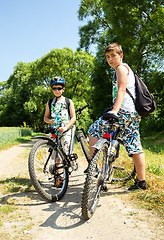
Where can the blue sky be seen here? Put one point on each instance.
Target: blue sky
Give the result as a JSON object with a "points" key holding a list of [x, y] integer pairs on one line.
{"points": [[29, 29]]}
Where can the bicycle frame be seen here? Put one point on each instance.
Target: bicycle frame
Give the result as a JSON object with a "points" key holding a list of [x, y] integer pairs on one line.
{"points": [[76, 133], [55, 138], [108, 138]]}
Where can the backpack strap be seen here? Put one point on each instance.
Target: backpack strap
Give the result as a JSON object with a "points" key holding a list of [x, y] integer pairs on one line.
{"points": [[66, 100], [49, 104], [127, 90], [130, 95], [68, 105]]}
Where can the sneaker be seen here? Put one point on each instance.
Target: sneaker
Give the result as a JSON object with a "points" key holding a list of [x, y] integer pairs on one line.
{"points": [[137, 185]]}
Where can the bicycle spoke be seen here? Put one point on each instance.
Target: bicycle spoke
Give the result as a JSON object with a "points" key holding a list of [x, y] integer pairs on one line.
{"points": [[49, 181], [94, 182]]}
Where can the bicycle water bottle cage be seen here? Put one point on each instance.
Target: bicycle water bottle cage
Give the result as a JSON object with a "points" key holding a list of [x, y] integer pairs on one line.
{"points": [[110, 117]]}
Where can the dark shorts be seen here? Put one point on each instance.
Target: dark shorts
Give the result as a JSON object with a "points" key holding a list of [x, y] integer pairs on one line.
{"points": [[130, 132]]}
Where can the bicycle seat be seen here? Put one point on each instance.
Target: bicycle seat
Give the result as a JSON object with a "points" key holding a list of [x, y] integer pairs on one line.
{"points": [[111, 117]]}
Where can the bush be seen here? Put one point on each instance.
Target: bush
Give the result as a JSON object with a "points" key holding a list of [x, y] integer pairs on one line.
{"points": [[151, 125]]}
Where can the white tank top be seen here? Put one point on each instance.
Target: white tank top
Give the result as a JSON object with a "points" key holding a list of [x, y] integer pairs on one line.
{"points": [[127, 104], [60, 112]]}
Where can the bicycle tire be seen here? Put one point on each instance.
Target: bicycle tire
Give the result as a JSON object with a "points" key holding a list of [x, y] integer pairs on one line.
{"points": [[45, 183], [94, 182], [84, 147]]}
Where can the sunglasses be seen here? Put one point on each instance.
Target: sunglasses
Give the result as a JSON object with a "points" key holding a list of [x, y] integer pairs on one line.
{"points": [[57, 88]]}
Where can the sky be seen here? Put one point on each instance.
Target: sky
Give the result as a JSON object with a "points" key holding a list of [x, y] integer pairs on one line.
{"points": [[29, 29]]}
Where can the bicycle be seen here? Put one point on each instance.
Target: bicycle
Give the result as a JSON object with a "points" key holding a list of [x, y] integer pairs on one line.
{"points": [[49, 166], [104, 167]]}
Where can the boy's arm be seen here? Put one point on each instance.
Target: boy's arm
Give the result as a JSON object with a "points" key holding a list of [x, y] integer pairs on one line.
{"points": [[72, 120], [47, 115], [122, 73]]}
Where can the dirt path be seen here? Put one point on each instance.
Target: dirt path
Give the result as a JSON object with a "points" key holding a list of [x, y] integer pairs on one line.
{"points": [[115, 217]]}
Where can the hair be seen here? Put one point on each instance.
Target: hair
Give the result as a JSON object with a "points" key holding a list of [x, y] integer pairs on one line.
{"points": [[114, 46]]}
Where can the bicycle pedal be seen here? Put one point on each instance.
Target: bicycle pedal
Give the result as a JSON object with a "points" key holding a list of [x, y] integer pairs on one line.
{"points": [[104, 188], [50, 178], [72, 157], [70, 171], [119, 168]]}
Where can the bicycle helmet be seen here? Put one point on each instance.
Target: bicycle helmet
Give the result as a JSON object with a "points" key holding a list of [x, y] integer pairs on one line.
{"points": [[57, 80]]}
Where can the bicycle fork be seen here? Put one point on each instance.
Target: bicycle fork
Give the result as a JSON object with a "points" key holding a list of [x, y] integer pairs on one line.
{"points": [[108, 168]]}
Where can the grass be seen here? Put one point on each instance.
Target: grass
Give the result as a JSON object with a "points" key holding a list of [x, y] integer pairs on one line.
{"points": [[153, 197], [13, 136], [15, 184], [4, 211], [15, 221], [9, 134]]}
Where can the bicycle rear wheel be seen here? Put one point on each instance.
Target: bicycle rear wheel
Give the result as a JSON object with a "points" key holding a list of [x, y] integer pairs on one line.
{"points": [[94, 182], [85, 146], [122, 169], [49, 179]]}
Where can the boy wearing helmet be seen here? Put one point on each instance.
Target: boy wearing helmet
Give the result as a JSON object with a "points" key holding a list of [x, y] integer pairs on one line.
{"points": [[57, 112]]}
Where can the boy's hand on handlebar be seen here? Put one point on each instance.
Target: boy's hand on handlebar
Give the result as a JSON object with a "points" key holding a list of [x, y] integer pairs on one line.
{"points": [[113, 112], [51, 121], [62, 129]]}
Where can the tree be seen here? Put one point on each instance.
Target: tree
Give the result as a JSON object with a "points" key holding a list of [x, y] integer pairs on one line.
{"points": [[23, 97], [137, 25]]}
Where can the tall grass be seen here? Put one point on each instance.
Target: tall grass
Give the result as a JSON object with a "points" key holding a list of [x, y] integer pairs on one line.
{"points": [[10, 135], [153, 197]]}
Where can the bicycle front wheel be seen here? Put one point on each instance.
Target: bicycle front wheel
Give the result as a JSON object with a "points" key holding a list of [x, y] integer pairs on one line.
{"points": [[94, 182], [49, 178]]}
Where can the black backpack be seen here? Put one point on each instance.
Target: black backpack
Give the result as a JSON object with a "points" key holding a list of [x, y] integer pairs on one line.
{"points": [[145, 102], [67, 103]]}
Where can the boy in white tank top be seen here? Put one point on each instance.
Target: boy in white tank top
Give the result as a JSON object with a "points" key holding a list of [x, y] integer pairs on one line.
{"points": [[123, 106], [58, 115]]}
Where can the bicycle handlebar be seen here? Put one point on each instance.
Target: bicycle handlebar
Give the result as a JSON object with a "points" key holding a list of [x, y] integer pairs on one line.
{"points": [[82, 108], [52, 129]]}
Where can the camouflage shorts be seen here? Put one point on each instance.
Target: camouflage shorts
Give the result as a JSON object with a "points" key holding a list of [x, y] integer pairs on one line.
{"points": [[130, 131]]}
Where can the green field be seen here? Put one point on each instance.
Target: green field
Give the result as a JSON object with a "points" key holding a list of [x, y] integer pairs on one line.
{"points": [[13, 135]]}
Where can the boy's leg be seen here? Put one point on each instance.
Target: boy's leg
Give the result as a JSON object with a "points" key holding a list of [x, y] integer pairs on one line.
{"points": [[140, 182], [65, 142], [92, 142], [94, 135], [139, 161], [133, 146]]}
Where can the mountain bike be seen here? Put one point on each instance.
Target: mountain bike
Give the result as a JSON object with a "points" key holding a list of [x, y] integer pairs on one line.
{"points": [[49, 166], [105, 166]]}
